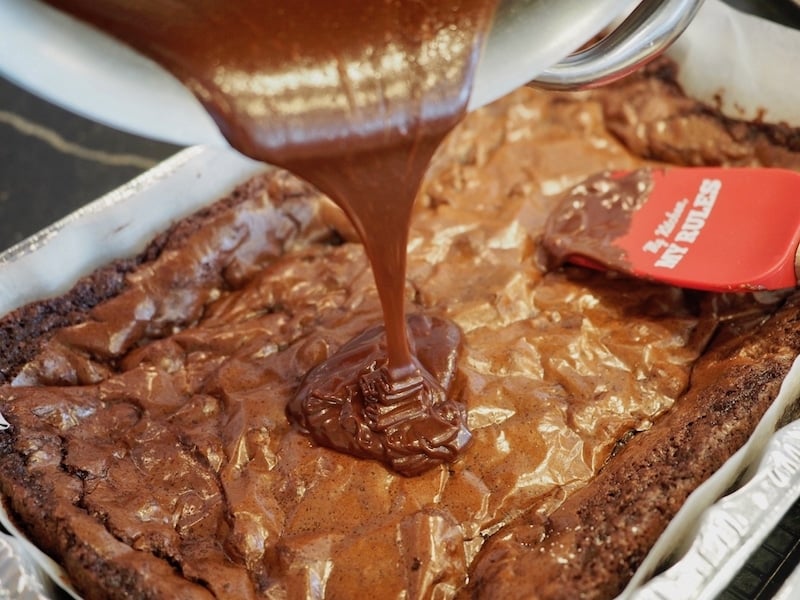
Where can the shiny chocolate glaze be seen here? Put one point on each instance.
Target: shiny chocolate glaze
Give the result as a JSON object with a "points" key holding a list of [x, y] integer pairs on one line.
{"points": [[352, 96]]}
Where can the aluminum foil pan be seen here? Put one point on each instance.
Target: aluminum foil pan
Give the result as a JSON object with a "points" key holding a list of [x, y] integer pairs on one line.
{"points": [[26, 573], [705, 545], [21, 577], [715, 541]]}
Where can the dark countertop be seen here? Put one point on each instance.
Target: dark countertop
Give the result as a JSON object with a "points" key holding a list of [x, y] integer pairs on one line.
{"points": [[53, 162]]}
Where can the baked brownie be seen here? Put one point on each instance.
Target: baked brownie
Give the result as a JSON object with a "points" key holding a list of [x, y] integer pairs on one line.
{"points": [[594, 542], [151, 455]]}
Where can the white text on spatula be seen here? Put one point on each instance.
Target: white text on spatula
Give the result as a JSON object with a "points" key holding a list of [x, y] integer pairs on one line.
{"points": [[691, 227]]}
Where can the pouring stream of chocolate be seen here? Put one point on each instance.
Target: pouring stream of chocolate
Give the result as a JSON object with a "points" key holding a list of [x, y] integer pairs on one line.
{"points": [[354, 97]]}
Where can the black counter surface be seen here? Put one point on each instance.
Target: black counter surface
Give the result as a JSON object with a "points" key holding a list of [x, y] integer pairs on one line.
{"points": [[53, 162]]}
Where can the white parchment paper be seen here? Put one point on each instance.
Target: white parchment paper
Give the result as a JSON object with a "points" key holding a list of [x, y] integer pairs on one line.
{"points": [[746, 66]]}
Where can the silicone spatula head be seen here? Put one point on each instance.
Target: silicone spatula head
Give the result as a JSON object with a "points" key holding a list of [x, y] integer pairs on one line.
{"points": [[718, 229]]}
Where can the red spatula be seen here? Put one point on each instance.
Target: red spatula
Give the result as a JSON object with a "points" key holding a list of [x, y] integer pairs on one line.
{"points": [[719, 229]]}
